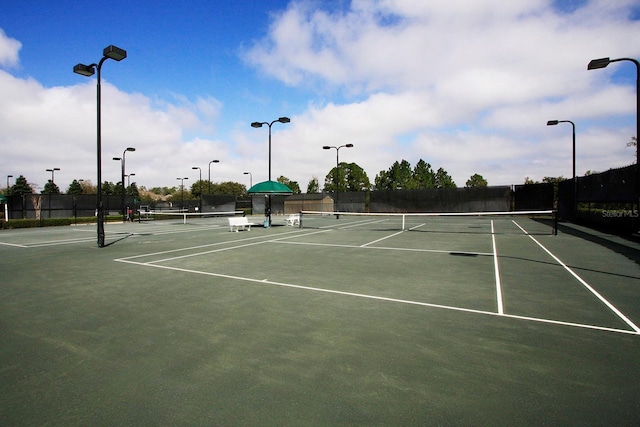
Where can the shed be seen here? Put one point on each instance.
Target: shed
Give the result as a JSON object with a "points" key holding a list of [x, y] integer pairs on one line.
{"points": [[308, 202]]}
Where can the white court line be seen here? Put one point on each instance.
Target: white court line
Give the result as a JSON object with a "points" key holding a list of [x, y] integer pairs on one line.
{"points": [[381, 239], [584, 283], [13, 245], [388, 248], [379, 298], [267, 237], [497, 271]]}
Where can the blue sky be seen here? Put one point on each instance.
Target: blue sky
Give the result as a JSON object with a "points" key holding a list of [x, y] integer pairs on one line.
{"points": [[465, 86]]}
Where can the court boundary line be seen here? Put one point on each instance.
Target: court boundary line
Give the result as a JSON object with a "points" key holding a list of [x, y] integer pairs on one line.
{"points": [[379, 298], [156, 264], [496, 268], [595, 293]]}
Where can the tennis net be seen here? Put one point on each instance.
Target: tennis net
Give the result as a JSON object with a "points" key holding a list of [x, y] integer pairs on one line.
{"points": [[517, 222], [198, 218]]}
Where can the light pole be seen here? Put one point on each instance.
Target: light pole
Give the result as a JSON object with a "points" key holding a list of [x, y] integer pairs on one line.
{"points": [[109, 52], [8, 176], [337, 175], [182, 192], [212, 161], [124, 210], [200, 206], [602, 63], [244, 173], [129, 179], [575, 181], [51, 188], [259, 125]]}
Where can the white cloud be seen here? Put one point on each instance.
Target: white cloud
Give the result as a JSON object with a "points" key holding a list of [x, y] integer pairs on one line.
{"points": [[496, 71], [467, 86], [9, 49], [56, 127]]}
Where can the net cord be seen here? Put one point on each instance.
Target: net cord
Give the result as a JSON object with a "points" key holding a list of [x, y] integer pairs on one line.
{"points": [[552, 212]]}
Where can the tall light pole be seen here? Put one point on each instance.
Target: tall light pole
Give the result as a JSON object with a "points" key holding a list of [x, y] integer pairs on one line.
{"points": [[212, 161], [8, 176], [244, 173], [129, 179], [575, 181], [51, 188], [52, 172], [200, 206], [337, 175], [182, 192], [602, 63], [122, 174], [109, 52], [259, 125]]}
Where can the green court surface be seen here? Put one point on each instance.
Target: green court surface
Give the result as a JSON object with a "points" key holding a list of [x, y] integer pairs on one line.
{"points": [[191, 324]]}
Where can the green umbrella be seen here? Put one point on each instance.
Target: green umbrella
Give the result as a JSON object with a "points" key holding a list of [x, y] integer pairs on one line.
{"points": [[3, 199], [270, 187]]}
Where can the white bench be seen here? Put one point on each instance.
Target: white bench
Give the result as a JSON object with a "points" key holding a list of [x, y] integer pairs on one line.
{"points": [[293, 219], [239, 223]]}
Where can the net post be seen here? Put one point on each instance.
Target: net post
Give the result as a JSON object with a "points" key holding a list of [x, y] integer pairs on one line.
{"points": [[300, 219], [555, 222], [403, 217]]}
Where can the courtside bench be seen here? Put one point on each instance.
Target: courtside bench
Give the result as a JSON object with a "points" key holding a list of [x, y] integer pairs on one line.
{"points": [[239, 223], [293, 219]]}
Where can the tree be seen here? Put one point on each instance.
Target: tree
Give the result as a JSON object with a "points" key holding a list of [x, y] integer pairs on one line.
{"points": [[313, 186], [398, 177], [633, 142], [197, 185], [75, 188], [20, 187], [229, 187], [293, 185], [476, 180], [423, 175], [350, 177], [132, 190], [550, 179], [443, 180], [107, 188]]}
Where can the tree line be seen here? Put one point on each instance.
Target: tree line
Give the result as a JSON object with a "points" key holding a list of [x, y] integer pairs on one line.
{"points": [[346, 177]]}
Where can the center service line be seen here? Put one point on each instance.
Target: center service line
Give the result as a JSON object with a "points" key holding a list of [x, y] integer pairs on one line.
{"points": [[497, 270]]}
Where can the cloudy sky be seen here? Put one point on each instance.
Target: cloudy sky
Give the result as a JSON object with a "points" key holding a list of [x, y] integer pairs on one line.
{"points": [[464, 85]]}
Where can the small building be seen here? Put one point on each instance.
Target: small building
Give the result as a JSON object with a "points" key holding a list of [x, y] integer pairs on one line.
{"points": [[308, 202]]}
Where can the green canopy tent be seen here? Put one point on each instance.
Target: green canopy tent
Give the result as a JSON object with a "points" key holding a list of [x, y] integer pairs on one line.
{"points": [[269, 188]]}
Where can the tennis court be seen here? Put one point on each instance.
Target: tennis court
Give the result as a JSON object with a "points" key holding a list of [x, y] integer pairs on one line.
{"points": [[349, 321]]}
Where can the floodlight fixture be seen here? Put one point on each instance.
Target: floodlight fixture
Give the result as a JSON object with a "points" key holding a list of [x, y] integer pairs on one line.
{"points": [[594, 64], [114, 52]]}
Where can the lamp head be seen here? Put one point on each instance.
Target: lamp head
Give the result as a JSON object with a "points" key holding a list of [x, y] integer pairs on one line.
{"points": [[215, 161], [195, 167], [284, 119], [552, 122], [325, 147], [598, 63], [85, 70], [349, 145], [114, 52], [256, 125], [130, 149], [117, 158]]}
